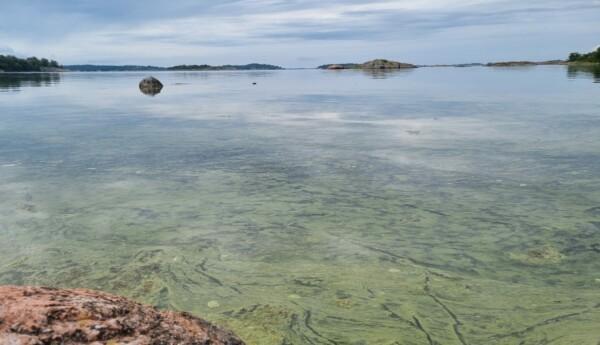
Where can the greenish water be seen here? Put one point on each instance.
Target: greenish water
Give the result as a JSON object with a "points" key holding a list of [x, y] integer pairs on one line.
{"points": [[434, 206]]}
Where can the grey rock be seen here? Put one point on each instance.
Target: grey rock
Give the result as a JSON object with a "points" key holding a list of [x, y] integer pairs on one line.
{"points": [[150, 86]]}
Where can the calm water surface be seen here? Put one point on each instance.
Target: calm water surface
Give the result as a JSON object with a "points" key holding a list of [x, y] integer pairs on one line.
{"points": [[431, 206]]}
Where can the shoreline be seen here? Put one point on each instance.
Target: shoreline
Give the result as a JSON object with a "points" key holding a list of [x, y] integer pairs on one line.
{"points": [[490, 65]]}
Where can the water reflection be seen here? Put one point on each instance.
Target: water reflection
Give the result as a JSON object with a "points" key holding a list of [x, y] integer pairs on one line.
{"points": [[374, 73], [151, 91], [385, 73], [14, 81], [586, 71]]}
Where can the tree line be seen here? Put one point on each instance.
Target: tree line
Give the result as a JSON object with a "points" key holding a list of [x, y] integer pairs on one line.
{"points": [[9, 63], [589, 57]]}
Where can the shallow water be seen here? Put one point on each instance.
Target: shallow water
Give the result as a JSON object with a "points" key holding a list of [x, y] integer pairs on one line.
{"points": [[431, 206]]}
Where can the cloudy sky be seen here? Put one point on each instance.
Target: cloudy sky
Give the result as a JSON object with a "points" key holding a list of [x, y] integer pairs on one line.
{"points": [[296, 33]]}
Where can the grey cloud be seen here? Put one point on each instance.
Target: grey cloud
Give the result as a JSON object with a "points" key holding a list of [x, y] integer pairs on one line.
{"points": [[385, 25], [241, 24]]}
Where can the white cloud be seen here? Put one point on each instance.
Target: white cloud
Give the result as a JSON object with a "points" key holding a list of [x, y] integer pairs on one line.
{"points": [[5, 50]]}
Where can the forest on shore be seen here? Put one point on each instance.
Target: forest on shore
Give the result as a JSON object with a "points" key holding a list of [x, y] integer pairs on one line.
{"points": [[9, 63], [593, 57]]}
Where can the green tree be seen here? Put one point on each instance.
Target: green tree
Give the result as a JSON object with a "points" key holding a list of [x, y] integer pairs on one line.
{"points": [[9, 63], [574, 56], [593, 57]]}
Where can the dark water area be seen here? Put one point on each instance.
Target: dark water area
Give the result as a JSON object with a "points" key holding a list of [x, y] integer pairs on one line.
{"points": [[430, 206], [15, 81], [589, 71]]}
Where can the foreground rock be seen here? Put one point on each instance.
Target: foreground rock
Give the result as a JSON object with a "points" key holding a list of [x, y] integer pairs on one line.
{"points": [[36, 316], [150, 86]]}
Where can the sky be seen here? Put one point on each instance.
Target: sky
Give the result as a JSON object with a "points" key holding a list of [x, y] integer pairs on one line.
{"points": [[296, 33]]}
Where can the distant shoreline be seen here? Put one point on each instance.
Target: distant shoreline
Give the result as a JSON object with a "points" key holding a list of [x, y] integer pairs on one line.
{"points": [[11, 64], [138, 68], [391, 65], [117, 68]]}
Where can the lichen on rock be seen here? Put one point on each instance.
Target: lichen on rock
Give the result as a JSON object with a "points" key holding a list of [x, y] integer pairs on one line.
{"points": [[32, 316]]}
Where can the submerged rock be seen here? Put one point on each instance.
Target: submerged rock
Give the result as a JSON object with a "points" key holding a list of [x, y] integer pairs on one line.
{"points": [[539, 256], [594, 211], [213, 304], [150, 86], [31, 315]]}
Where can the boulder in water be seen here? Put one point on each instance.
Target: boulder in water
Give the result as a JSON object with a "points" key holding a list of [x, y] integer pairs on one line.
{"points": [[150, 86]]}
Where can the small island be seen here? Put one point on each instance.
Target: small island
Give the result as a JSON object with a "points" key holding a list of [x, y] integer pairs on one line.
{"points": [[377, 64], [9, 63]]}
